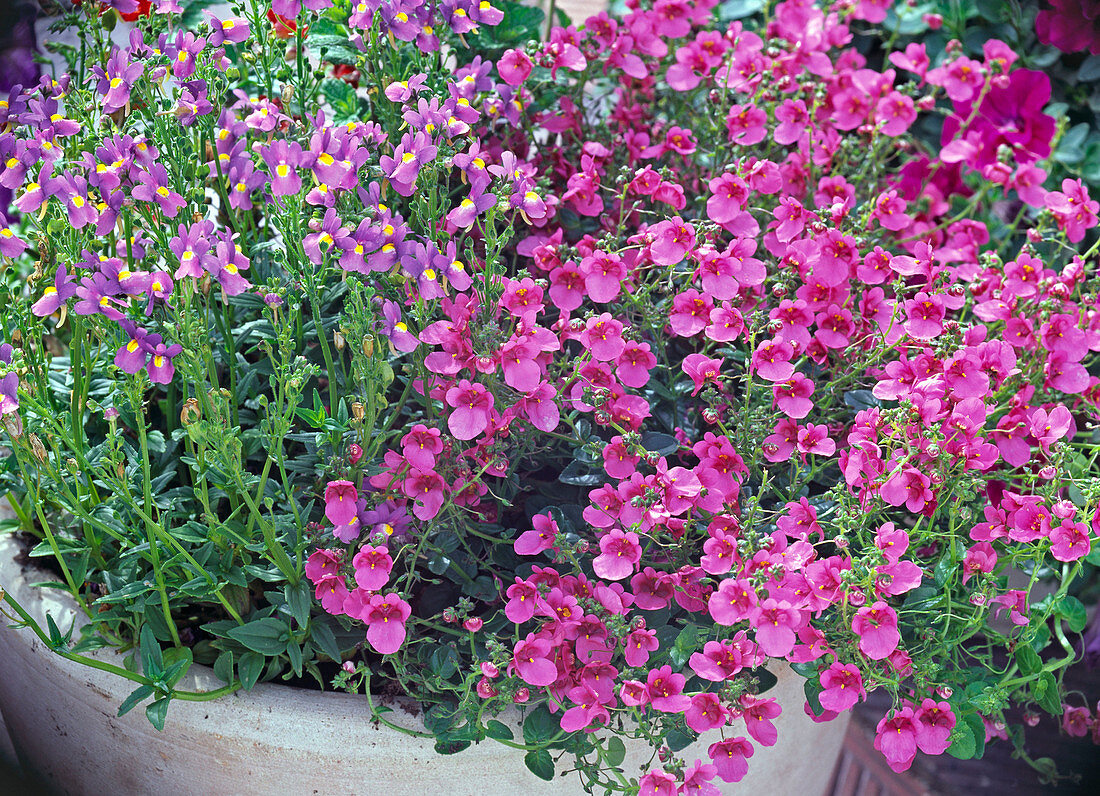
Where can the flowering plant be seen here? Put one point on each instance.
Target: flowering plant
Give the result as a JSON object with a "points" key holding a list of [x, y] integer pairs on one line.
{"points": [[389, 345]]}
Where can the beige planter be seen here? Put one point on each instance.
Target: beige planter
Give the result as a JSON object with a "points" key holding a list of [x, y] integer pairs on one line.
{"points": [[281, 740]]}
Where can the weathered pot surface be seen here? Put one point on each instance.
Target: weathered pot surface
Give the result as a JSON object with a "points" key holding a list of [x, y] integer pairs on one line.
{"points": [[281, 740]]}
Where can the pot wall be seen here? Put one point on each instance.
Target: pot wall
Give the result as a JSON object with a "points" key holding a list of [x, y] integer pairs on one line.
{"points": [[280, 740]]}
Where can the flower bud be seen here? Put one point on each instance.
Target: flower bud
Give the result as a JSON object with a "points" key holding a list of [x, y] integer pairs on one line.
{"points": [[358, 411], [190, 413], [37, 448], [349, 667]]}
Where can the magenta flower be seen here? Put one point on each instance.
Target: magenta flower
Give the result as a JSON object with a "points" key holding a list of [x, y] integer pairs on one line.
{"points": [[421, 445], [877, 628], [908, 486], [1069, 540], [702, 369], [340, 502], [385, 620], [731, 758], [372, 567], [665, 690], [472, 405], [619, 553], [1070, 25], [775, 622], [673, 239], [896, 738], [533, 661], [841, 687], [706, 712], [514, 67], [772, 360], [533, 542], [427, 489], [934, 722]]}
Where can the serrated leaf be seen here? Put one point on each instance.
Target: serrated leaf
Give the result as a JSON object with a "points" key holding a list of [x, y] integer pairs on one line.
{"points": [[499, 730], [540, 764], [539, 726], [1073, 611], [1029, 661]]}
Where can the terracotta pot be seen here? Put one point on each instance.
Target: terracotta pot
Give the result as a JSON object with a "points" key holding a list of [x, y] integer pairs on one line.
{"points": [[281, 740]]}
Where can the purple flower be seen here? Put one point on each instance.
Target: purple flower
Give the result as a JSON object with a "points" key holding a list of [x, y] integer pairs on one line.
{"points": [[11, 245], [408, 158], [117, 79], [228, 263], [152, 186], [9, 383], [233, 30], [97, 297], [470, 208], [62, 289], [329, 234], [394, 328], [192, 248], [192, 103], [183, 52], [282, 161], [389, 519]]}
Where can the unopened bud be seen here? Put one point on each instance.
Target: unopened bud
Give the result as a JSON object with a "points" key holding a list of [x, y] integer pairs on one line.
{"points": [[338, 340], [368, 345], [37, 448], [358, 411]]}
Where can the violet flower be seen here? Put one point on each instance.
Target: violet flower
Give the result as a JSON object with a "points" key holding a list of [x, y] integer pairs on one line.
{"points": [[9, 383], [54, 296]]}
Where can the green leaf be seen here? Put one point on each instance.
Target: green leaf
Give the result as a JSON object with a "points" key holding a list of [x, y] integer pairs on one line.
{"points": [[1090, 69], [540, 764], [249, 668], [686, 643], [265, 636], [450, 746], [1073, 611], [325, 640], [157, 712], [152, 663], [580, 474], [738, 9], [1045, 692], [499, 730], [616, 751], [812, 689], [298, 600], [677, 739], [539, 726], [223, 667], [963, 745], [177, 660], [444, 661], [138, 695], [1029, 661], [766, 679]]}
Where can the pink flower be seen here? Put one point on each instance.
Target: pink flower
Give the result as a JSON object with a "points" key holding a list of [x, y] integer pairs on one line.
{"points": [[620, 552], [877, 628], [1076, 721], [665, 690], [421, 445], [907, 485], [673, 239], [472, 405], [702, 369], [758, 714], [522, 602], [793, 396], [638, 645], [815, 439], [730, 757], [934, 722], [514, 67], [385, 620], [530, 543], [332, 591], [1069, 540], [772, 360], [706, 712], [372, 567], [841, 687], [532, 660], [634, 364], [340, 502], [897, 739], [926, 313], [775, 622]]}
